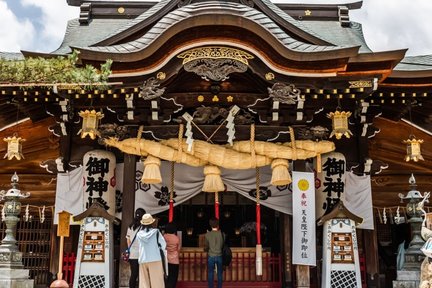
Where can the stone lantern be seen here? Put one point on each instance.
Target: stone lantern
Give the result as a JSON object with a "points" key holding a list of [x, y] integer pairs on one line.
{"points": [[409, 275], [12, 272]]}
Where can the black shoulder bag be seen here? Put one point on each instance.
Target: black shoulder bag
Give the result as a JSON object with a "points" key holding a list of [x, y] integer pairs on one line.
{"points": [[226, 252], [162, 255]]}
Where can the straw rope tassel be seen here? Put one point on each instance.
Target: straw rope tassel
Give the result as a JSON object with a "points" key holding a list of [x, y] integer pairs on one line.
{"points": [[152, 174], [171, 200]]}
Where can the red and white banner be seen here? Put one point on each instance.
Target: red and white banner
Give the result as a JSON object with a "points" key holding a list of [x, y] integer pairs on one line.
{"points": [[304, 227]]}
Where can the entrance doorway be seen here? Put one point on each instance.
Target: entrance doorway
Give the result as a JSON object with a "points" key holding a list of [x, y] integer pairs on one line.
{"points": [[237, 220]]}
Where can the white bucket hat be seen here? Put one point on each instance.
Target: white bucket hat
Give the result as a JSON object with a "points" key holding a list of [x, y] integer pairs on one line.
{"points": [[147, 219]]}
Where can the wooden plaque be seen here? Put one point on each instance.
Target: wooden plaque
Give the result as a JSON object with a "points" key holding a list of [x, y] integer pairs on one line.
{"points": [[63, 227]]}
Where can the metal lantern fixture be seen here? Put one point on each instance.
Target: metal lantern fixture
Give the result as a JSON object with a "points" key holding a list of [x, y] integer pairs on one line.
{"points": [[413, 149], [14, 147], [90, 123], [340, 124]]}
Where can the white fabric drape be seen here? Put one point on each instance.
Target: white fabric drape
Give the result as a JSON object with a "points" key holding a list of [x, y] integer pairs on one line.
{"points": [[188, 182], [358, 198]]}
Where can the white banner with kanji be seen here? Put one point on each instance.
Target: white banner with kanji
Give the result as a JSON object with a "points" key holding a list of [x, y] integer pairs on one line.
{"points": [[304, 232], [330, 183]]}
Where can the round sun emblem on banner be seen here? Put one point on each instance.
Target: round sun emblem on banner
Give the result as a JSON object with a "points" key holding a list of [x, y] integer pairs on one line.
{"points": [[303, 184]]}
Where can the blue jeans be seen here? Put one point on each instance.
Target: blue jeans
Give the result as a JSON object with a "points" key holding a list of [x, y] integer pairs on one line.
{"points": [[212, 261]]}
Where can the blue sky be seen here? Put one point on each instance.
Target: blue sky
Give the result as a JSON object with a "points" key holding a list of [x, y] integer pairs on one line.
{"points": [[39, 25]]}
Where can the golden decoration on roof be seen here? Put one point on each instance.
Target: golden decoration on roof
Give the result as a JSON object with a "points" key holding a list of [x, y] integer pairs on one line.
{"points": [[269, 76], [14, 147], [308, 12], [200, 98], [161, 76], [340, 124], [90, 123], [360, 84], [230, 98], [413, 149], [215, 52]]}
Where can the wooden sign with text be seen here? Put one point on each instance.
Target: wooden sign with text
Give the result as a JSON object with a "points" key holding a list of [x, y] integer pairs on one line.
{"points": [[63, 227]]}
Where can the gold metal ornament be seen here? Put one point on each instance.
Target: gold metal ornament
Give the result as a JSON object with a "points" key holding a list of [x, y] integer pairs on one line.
{"points": [[269, 76], [14, 147], [413, 149], [90, 123], [161, 76], [340, 124]]}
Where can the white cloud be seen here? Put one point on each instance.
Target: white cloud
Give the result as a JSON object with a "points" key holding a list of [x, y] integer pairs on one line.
{"points": [[390, 25], [15, 34], [387, 24], [55, 14]]}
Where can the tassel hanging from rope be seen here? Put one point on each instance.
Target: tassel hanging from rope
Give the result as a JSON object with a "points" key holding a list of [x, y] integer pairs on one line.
{"points": [[217, 205], [258, 263], [171, 200], [180, 151], [258, 226]]}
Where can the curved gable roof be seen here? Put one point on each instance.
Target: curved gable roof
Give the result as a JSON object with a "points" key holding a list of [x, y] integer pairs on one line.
{"points": [[163, 7], [228, 13]]}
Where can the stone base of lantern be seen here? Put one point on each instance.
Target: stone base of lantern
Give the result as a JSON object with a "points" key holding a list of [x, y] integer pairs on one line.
{"points": [[407, 279], [15, 278]]}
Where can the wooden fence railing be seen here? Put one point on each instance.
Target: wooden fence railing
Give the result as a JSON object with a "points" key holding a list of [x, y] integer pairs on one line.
{"points": [[241, 272]]}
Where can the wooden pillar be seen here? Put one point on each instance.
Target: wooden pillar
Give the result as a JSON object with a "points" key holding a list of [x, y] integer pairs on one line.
{"points": [[371, 257], [127, 212], [286, 238]]}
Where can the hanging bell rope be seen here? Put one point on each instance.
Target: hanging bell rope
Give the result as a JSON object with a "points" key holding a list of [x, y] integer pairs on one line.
{"points": [[217, 205], [293, 143], [258, 253], [252, 145], [180, 142], [171, 199], [258, 225]]}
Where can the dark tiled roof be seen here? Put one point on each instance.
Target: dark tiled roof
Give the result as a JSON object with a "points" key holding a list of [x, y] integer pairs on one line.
{"points": [[131, 23], [415, 63], [11, 56], [287, 18], [211, 8], [87, 35], [333, 32]]}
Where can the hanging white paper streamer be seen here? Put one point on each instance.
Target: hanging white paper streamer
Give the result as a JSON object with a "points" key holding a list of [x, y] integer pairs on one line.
{"points": [[3, 214], [384, 216], [230, 124], [189, 139], [42, 216], [26, 215]]}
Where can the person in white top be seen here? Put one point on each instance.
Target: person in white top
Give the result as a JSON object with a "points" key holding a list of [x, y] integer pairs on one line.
{"points": [[133, 229]]}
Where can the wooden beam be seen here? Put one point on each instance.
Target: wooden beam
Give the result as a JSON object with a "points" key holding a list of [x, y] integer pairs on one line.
{"points": [[127, 210]]}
